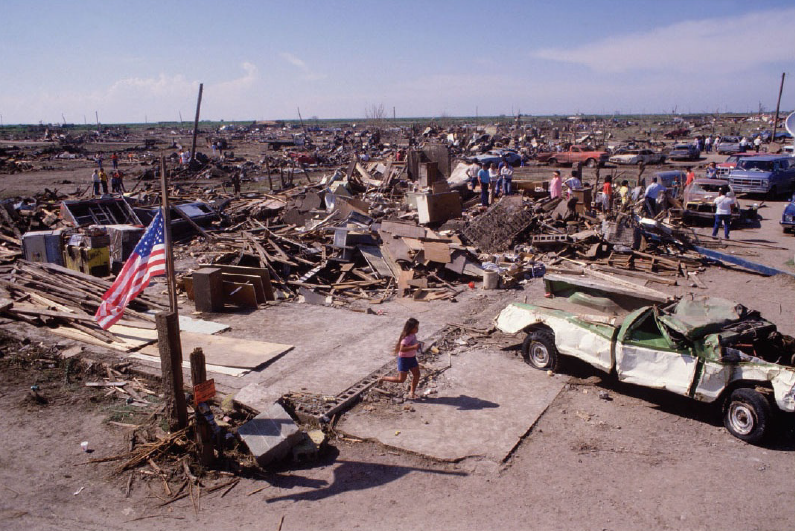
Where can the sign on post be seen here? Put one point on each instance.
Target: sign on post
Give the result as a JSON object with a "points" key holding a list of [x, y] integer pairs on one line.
{"points": [[203, 392]]}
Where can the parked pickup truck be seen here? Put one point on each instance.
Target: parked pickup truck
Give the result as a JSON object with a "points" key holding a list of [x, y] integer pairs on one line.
{"points": [[574, 155], [708, 349], [765, 174]]}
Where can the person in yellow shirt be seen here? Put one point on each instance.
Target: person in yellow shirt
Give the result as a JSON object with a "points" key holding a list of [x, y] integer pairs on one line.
{"points": [[623, 193], [103, 180]]}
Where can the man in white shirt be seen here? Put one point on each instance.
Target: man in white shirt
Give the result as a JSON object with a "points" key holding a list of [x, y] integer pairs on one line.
{"points": [[652, 191], [723, 212], [757, 143]]}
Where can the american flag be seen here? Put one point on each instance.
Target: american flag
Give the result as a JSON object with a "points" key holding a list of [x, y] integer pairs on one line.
{"points": [[147, 260]]}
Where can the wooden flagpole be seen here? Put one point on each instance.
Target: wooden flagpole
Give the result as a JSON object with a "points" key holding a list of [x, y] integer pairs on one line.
{"points": [[166, 212], [168, 340]]}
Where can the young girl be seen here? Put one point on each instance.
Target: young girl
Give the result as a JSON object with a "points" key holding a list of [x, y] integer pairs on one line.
{"points": [[406, 351]]}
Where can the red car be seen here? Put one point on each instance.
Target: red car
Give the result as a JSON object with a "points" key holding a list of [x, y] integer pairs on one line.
{"points": [[302, 158], [574, 155], [677, 133]]}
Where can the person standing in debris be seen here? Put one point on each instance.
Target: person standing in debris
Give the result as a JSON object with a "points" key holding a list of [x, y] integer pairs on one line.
{"points": [[690, 176], [623, 193], [98, 160], [555, 185], [115, 183], [506, 174], [573, 183], [494, 176], [483, 180], [406, 352], [723, 212], [95, 182], [712, 171], [757, 143], [744, 144], [472, 174], [103, 180], [607, 194], [652, 191], [114, 159]]}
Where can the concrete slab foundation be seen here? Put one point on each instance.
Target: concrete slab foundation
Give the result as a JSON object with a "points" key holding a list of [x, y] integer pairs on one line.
{"points": [[486, 403]]}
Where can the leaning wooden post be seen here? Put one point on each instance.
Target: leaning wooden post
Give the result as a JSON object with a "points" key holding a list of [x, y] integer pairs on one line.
{"points": [[270, 179], [168, 340], [204, 439], [196, 123], [168, 344]]}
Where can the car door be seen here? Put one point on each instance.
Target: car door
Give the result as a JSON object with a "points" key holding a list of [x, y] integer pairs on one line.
{"points": [[645, 356]]}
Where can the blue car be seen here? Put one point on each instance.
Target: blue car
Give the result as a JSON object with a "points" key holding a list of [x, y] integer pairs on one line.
{"points": [[495, 157], [788, 217]]}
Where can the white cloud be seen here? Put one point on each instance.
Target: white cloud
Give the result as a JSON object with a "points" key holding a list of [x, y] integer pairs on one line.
{"points": [[160, 97], [724, 45], [299, 63]]}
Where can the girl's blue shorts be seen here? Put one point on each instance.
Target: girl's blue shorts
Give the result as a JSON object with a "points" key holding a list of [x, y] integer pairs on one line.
{"points": [[406, 364]]}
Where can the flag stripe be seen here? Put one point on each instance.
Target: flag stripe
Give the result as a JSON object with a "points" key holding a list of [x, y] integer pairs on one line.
{"points": [[147, 260]]}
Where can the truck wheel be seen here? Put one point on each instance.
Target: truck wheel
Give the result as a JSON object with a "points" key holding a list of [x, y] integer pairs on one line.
{"points": [[591, 163], [553, 162], [773, 193], [746, 414], [538, 349]]}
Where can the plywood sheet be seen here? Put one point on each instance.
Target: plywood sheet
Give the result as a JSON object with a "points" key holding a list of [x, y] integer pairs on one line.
{"points": [[227, 351]]}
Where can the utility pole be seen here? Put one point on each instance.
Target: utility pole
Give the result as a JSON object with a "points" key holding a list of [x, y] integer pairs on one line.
{"points": [[301, 120], [394, 116], [63, 118], [196, 123], [778, 106], [180, 117], [96, 113]]}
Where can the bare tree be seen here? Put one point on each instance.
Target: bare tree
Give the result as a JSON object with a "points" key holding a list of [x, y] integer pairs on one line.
{"points": [[376, 115]]}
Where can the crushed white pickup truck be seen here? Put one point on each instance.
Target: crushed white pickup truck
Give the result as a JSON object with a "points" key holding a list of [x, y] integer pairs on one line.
{"points": [[708, 349]]}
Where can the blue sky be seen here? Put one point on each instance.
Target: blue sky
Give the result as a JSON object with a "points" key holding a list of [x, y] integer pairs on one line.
{"points": [[138, 60]]}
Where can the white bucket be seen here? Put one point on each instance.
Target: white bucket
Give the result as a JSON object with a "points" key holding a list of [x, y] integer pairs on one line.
{"points": [[490, 279]]}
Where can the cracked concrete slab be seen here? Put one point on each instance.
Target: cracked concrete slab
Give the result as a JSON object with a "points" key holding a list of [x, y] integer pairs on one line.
{"points": [[487, 401]]}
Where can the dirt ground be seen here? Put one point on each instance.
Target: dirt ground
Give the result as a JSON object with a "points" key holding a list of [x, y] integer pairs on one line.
{"points": [[639, 459]]}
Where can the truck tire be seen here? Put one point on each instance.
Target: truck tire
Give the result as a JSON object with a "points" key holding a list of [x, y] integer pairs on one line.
{"points": [[591, 163], [747, 414], [553, 162], [538, 350]]}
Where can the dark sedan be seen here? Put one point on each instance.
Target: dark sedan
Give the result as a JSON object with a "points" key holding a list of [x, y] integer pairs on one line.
{"points": [[684, 152], [495, 157]]}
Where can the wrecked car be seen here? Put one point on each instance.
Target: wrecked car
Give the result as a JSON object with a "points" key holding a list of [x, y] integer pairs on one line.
{"points": [[574, 155], [698, 202], [708, 349], [638, 156]]}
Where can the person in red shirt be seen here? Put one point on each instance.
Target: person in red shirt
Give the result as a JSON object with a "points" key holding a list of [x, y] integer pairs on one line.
{"points": [[607, 193], [691, 175]]}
